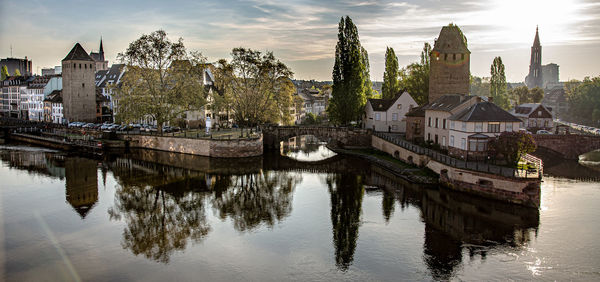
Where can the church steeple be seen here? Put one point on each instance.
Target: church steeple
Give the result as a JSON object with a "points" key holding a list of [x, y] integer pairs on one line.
{"points": [[534, 78], [536, 41], [102, 48]]}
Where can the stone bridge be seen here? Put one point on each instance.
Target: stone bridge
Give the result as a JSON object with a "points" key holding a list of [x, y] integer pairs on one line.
{"points": [[568, 146], [336, 136]]}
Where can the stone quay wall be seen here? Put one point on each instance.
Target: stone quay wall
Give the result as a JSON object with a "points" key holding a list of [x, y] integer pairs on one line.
{"points": [[524, 191], [236, 148], [568, 146]]}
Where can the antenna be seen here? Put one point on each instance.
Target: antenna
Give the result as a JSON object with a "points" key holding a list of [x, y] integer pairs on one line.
{"points": [[11, 50]]}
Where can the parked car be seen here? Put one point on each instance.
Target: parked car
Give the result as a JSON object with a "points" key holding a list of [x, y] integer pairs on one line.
{"points": [[541, 131]]}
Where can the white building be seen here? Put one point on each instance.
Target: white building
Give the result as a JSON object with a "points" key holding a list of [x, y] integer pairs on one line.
{"points": [[534, 117], [471, 129], [438, 112], [53, 108], [388, 114], [33, 100]]}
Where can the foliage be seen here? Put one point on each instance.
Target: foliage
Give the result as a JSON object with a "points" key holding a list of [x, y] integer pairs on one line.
{"points": [[17, 72], [414, 78], [480, 86], [585, 101], [258, 87], [523, 94], [4, 73], [350, 81], [312, 119], [368, 86], [498, 84], [390, 85], [162, 80], [512, 146]]}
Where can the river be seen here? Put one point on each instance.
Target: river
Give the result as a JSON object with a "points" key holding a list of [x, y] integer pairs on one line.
{"points": [[152, 216]]}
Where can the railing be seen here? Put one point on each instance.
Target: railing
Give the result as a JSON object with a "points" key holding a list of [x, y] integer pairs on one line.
{"points": [[453, 162]]}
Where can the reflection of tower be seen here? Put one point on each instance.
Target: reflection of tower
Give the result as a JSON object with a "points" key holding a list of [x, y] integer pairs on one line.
{"points": [[81, 184], [534, 78]]}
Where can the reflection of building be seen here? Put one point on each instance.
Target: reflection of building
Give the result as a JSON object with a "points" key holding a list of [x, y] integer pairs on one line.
{"points": [[81, 184]]}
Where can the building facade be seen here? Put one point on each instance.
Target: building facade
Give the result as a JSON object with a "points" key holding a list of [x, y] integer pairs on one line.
{"points": [[439, 111], [449, 64], [388, 115], [13, 64], [534, 117], [79, 87]]}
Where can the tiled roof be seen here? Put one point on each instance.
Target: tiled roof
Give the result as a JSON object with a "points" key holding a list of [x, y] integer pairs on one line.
{"points": [[451, 40], [448, 102], [524, 110], [78, 53], [54, 97], [416, 112], [484, 111]]}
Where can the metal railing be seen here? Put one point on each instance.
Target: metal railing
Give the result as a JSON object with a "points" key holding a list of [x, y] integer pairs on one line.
{"points": [[469, 165]]}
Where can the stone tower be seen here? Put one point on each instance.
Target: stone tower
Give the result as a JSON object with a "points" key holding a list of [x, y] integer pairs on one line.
{"points": [[535, 77], [79, 87], [449, 71]]}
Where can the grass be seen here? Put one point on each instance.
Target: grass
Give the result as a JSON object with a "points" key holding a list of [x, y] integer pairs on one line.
{"points": [[386, 157]]}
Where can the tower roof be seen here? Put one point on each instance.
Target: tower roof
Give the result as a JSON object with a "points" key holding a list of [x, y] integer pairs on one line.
{"points": [[536, 41], [101, 48], [451, 40], [78, 53]]}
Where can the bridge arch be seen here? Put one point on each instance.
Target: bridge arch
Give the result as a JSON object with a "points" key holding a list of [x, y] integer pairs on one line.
{"points": [[568, 146], [344, 136]]}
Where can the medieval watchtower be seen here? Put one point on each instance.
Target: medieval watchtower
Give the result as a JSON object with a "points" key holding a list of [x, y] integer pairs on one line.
{"points": [[449, 71], [79, 87]]}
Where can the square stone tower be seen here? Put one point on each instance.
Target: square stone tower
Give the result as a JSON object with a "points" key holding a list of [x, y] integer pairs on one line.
{"points": [[79, 86], [449, 67]]}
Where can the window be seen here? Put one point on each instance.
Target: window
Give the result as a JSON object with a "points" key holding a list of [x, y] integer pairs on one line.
{"points": [[83, 85], [444, 123], [462, 56], [437, 124], [463, 143], [478, 126], [429, 122], [478, 145], [445, 57], [546, 123], [399, 106], [394, 127], [443, 141], [428, 136], [74, 66], [451, 124], [532, 123], [84, 66], [540, 113], [464, 126], [494, 127], [509, 126], [80, 66], [452, 140], [454, 57], [377, 116], [394, 117]]}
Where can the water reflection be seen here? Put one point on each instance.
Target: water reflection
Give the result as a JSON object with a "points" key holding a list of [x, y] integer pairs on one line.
{"points": [[306, 148], [346, 192], [164, 202]]}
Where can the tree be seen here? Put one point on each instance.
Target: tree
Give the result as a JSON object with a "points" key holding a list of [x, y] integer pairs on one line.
{"points": [[259, 87], [414, 78], [390, 85], [369, 92], [512, 146], [584, 102], [350, 86], [522, 95], [162, 80], [4, 73], [498, 84], [480, 86], [536, 95], [17, 72]]}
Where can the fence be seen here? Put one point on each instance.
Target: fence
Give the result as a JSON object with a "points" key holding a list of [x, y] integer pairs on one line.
{"points": [[453, 162]]}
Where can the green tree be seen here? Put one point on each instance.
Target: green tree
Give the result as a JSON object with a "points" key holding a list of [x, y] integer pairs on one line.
{"points": [[17, 72], [512, 146], [259, 85], [390, 85], [520, 94], [369, 92], [498, 84], [584, 102], [350, 89], [480, 86], [414, 78], [162, 80], [536, 95], [4, 73]]}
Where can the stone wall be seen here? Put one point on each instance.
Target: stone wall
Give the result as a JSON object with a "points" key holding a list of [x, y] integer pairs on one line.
{"points": [[569, 146], [345, 137], [202, 147]]}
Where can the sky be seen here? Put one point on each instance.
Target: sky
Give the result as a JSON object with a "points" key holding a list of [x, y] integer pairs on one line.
{"points": [[303, 33]]}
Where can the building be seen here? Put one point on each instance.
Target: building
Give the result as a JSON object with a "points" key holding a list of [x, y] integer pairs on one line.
{"points": [[313, 101], [101, 62], [33, 100], [14, 89], [449, 64], [556, 101], [415, 121], [388, 115], [535, 76], [550, 76], [105, 79], [103, 111], [79, 87], [472, 128], [439, 111], [52, 71], [13, 64], [534, 117], [53, 107]]}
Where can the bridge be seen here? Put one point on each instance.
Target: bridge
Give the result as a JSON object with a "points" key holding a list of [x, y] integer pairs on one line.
{"points": [[336, 136], [568, 146]]}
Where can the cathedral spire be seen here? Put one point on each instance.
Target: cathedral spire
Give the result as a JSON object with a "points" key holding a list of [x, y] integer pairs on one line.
{"points": [[536, 41], [102, 49]]}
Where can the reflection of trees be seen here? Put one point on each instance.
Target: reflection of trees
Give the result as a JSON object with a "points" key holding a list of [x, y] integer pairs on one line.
{"points": [[387, 205], [256, 198], [346, 202], [160, 219]]}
